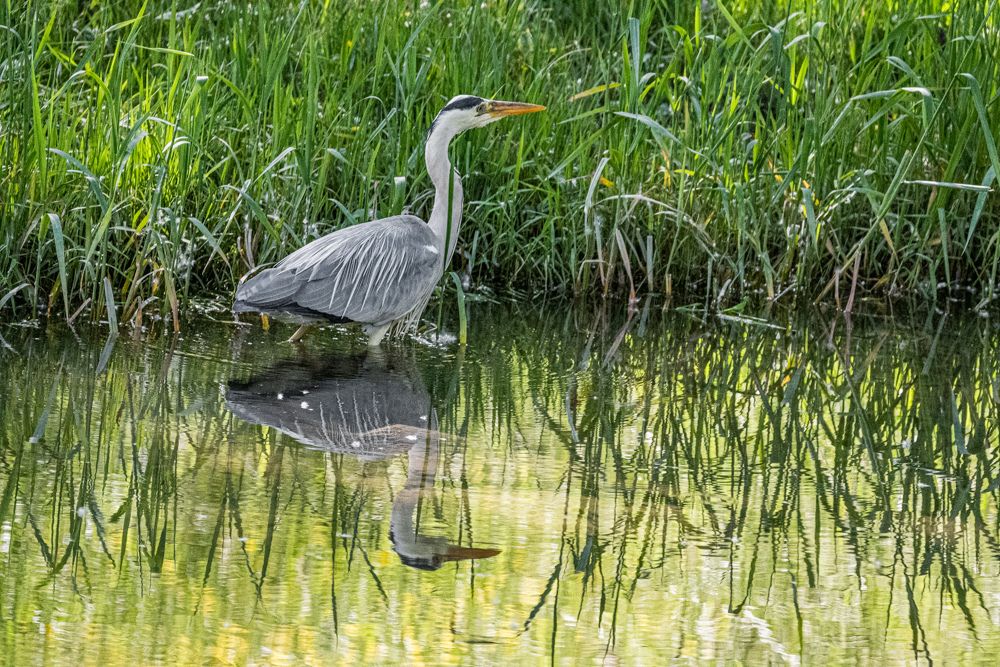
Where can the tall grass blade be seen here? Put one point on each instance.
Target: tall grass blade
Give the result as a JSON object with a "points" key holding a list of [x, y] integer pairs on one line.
{"points": [[59, 241], [109, 302], [984, 123], [9, 295], [977, 210], [460, 294]]}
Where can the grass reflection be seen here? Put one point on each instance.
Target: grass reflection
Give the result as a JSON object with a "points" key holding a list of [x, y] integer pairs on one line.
{"points": [[641, 488]]}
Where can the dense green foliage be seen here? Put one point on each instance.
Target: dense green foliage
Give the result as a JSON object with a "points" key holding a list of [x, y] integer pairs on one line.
{"points": [[163, 148]]}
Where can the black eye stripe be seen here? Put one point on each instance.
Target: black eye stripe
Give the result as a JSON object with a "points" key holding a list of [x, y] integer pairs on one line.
{"points": [[469, 102]]}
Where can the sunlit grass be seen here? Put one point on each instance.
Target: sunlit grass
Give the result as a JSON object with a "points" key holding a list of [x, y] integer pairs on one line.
{"points": [[733, 148]]}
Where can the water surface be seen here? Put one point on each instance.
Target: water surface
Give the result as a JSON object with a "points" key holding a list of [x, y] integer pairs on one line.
{"points": [[575, 487]]}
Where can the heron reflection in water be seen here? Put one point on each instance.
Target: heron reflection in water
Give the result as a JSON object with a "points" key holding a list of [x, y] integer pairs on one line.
{"points": [[373, 406], [381, 273]]}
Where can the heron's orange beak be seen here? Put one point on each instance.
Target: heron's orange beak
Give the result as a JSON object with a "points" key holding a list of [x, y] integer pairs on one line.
{"points": [[463, 553], [501, 109]]}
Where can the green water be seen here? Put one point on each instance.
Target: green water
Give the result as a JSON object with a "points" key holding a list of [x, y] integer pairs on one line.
{"points": [[575, 488]]}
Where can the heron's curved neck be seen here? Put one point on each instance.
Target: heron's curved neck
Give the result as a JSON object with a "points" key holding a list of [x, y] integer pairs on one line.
{"points": [[439, 169], [421, 473]]}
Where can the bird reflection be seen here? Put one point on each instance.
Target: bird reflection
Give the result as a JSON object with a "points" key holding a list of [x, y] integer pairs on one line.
{"points": [[373, 406], [416, 550]]}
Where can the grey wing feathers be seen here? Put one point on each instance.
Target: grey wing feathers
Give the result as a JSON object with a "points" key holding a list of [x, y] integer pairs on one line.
{"points": [[374, 273]]}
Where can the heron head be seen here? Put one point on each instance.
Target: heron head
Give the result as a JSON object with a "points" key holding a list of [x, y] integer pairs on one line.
{"points": [[431, 559], [464, 112]]}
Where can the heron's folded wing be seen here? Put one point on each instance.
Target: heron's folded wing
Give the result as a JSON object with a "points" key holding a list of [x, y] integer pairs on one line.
{"points": [[373, 272]]}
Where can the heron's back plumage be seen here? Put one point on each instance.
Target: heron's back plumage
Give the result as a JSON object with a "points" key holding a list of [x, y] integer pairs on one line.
{"points": [[373, 273]]}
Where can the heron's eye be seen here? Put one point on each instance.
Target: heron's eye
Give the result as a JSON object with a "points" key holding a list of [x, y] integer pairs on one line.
{"points": [[481, 108]]}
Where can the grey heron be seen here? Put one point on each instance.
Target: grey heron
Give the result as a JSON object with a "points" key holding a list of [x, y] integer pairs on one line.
{"points": [[381, 273], [373, 406]]}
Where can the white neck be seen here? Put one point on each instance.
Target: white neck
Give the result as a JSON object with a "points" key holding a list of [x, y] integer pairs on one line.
{"points": [[439, 168], [421, 473]]}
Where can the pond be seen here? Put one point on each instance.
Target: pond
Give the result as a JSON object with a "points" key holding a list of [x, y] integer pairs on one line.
{"points": [[573, 487]]}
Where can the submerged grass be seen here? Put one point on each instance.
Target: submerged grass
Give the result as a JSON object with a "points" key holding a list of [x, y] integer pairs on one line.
{"points": [[725, 149]]}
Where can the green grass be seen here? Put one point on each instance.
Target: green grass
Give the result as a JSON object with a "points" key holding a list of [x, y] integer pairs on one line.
{"points": [[730, 149]]}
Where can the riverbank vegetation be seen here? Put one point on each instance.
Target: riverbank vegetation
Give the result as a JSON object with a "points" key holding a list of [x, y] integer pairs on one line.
{"points": [[154, 152]]}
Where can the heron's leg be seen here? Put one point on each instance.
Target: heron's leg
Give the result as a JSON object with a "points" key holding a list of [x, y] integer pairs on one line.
{"points": [[375, 334], [299, 333], [375, 359]]}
